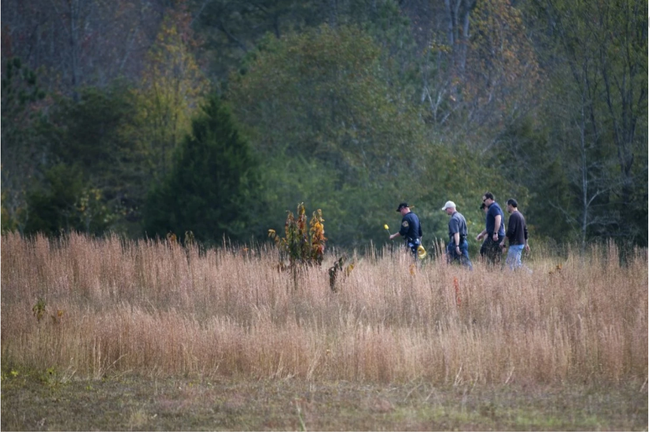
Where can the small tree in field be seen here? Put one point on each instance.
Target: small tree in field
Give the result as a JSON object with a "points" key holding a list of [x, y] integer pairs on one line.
{"points": [[302, 244]]}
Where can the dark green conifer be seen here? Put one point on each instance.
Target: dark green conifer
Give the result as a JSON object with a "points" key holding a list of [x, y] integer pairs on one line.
{"points": [[213, 184]]}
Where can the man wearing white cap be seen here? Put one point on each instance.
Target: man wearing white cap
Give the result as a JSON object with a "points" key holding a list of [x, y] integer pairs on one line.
{"points": [[457, 247]]}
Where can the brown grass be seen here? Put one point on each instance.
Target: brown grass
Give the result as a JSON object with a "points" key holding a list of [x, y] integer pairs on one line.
{"points": [[159, 309]]}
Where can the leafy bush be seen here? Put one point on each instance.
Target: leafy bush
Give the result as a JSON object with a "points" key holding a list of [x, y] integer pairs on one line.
{"points": [[301, 244]]}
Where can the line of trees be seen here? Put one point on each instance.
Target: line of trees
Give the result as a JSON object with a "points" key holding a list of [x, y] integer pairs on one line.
{"points": [[217, 116]]}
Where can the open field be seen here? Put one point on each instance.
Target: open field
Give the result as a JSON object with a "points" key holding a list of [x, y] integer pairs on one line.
{"points": [[127, 403], [151, 335]]}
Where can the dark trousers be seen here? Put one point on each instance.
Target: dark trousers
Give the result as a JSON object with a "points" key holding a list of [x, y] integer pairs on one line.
{"points": [[491, 251], [413, 245], [463, 257]]}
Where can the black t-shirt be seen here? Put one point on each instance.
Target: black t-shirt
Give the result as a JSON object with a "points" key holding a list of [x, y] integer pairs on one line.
{"points": [[517, 230], [411, 228]]}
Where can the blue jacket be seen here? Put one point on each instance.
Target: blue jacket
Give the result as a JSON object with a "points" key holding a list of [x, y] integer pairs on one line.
{"points": [[411, 228]]}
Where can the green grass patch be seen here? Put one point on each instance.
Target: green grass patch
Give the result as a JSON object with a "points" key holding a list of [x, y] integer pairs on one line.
{"points": [[37, 401]]}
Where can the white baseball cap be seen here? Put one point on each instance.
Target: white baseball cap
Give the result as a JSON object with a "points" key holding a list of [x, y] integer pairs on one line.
{"points": [[449, 204]]}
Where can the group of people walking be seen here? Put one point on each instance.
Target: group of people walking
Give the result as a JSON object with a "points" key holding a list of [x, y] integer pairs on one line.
{"points": [[493, 236]]}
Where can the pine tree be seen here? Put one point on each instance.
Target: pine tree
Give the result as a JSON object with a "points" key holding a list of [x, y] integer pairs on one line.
{"points": [[213, 184]]}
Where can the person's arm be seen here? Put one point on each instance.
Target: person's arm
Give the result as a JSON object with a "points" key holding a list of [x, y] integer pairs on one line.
{"points": [[457, 242], [393, 236], [480, 235], [526, 247], [497, 226], [512, 228]]}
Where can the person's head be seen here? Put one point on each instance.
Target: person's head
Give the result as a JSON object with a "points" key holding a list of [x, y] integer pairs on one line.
{"points": [[512, 205], [484, 208], [449, 207], [488, 198], [403, 208]]}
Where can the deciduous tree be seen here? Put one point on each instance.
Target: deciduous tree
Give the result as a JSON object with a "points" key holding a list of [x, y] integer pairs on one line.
{"points": [[171, 89]]}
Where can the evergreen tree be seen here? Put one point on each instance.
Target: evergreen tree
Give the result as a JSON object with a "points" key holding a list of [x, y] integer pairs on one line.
{"points": [[22, 146], [213, 184], [95, 134]]}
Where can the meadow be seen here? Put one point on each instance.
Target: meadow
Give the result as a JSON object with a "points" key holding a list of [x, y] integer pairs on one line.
{"points": [[82, 314]]}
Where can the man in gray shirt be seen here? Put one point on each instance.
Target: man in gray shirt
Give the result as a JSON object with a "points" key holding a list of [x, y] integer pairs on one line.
{"points": [[517, 235], [457, 247]]}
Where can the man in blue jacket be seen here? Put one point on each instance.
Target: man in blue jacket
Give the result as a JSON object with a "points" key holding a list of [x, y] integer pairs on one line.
{"points": [[410, 229], [494, 229]]}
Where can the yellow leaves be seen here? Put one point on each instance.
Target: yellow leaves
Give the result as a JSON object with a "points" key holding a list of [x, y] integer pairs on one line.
{"points": [[89, 203], [273, 235], [302, 244], [171, 90], [441, 48]]}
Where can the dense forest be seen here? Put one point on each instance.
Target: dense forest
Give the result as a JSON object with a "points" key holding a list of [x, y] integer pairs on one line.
{"points": [[216, 117]]}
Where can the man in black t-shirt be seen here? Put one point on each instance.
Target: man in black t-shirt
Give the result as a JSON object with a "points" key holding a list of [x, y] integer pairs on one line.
{"points": [[517, 235], [410, 229]]}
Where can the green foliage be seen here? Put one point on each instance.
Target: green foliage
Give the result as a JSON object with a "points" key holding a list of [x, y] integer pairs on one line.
{"points": [[319, 109], [23, 101], [335, 103], [213, 185], [544, 101], [19, 88], [595, 56], [88, 130], [172, 87], [38, 310], [302, 244], [526, 159], [93, 134], [65, 203]]}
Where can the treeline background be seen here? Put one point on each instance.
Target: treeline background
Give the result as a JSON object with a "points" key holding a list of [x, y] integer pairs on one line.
{"points": [[150, 117]]}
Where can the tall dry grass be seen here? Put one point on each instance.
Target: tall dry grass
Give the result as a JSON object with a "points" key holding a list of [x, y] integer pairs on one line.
{"points": [[158, 308]]}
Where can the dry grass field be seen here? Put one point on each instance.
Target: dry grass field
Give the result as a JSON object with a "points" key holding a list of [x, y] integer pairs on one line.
{"points": [[78, 313]]}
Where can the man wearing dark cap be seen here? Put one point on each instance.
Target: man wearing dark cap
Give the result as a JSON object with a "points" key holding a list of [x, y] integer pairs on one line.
{"points": [[410, 229], [517, 235]]}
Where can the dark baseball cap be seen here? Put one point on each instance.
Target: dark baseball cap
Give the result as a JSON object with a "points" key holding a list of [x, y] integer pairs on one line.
{"points": [[401, 205]]}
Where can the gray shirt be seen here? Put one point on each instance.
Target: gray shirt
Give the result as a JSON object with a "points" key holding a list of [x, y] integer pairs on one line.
{"points": [[457, 224]]}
